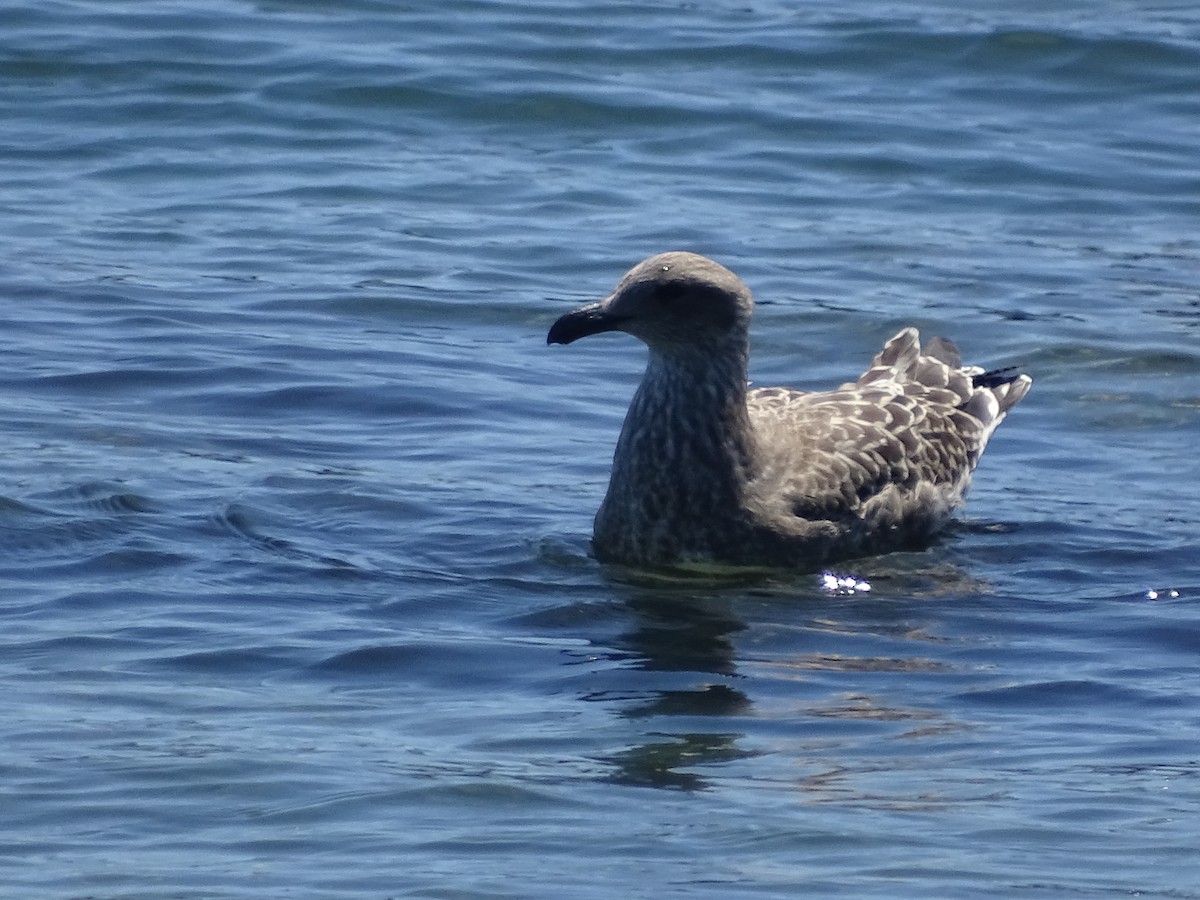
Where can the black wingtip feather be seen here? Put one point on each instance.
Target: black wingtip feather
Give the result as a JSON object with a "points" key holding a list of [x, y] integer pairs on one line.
{"points": [[997, 377]]}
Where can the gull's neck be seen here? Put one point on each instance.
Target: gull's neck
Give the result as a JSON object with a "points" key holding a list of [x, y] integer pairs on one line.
{"points": [[686, 450]]}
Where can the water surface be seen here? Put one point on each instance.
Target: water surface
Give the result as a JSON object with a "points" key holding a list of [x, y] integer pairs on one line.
{"points": [[295, 502]]}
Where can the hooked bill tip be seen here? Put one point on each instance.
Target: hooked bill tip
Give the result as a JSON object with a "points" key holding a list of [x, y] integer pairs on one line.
{"points": [[582, 322]]}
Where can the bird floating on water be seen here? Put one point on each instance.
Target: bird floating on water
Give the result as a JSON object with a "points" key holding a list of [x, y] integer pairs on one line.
{"points": [[707, 471]]}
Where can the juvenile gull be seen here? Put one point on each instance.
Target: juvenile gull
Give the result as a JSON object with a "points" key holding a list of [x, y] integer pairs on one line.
{"points": [[708, 471]]}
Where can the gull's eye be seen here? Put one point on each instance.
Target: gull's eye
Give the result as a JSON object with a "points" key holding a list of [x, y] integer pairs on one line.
{"points": [[669, 295]]}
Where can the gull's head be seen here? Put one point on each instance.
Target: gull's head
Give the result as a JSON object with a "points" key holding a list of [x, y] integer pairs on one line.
{"points": [[674, 301]]}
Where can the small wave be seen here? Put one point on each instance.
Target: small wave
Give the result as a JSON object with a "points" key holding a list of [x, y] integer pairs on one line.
{"points": [[248, 524], [67, 525]]}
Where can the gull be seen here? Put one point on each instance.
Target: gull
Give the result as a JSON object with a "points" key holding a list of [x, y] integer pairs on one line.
{"points": [[707, 471]]}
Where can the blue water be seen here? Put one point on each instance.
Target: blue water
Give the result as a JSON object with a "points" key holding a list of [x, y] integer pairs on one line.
{"points": [[295, 590]]}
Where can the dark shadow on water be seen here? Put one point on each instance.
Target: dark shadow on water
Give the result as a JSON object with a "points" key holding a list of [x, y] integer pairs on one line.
{"points": [[707, 700], [679, 634], [690, 632], [658, 764], [681, 666]]}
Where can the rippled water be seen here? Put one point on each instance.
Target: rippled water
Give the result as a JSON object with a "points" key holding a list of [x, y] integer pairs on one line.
{"points": [[295, 502]]}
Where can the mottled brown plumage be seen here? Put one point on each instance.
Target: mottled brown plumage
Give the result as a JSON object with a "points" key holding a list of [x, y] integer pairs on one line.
{"points": [[707, 471]]}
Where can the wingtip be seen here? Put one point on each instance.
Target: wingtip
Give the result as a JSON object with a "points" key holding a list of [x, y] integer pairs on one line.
{"points": [[994, 378]]}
